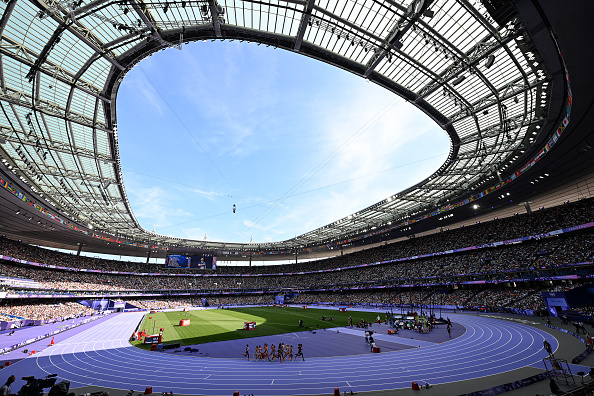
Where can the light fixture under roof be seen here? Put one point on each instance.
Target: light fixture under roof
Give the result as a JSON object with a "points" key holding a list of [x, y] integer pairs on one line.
{"points": [[458, 80]]}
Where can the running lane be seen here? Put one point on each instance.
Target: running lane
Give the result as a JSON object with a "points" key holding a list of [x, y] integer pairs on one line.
{"points": [[103, 356]]}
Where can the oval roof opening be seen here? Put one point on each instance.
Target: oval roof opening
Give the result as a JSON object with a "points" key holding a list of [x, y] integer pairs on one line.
{"points": [[238, 142]]}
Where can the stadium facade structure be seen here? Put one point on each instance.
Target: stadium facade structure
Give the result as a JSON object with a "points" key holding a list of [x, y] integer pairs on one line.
{"points": [[490, 73]]}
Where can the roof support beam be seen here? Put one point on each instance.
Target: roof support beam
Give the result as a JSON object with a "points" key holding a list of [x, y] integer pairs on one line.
{"points": [[496, 128], [476, 54], [387, 211], [84, 34], [125, 38], [74, 175], [214, 12], [23, 99], [6, 15], [103, 188], [347, 23], [394, 36], [8, 134], [507, 92], [2, 82], [303, 24], [496, 150], [24, 55], [87, 7], [147, 18]]}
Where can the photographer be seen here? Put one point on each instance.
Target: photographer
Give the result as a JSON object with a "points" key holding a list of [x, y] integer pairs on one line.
{"points": [[6, 389]]}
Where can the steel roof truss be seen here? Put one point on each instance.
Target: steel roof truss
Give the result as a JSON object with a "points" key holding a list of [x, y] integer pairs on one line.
{"points": [[23, 99]]}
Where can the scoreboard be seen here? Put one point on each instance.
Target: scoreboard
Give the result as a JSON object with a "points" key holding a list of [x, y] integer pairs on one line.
{"points": [[195, 262]]}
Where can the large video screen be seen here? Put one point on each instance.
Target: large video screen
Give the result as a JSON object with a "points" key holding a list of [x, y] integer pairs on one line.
{"points": [[196, 262]]}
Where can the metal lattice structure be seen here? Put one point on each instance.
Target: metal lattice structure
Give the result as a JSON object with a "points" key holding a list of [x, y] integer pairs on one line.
{"points": [[61, 63]]}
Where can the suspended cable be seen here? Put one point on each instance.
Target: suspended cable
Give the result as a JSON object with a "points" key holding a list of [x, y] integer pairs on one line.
{"points": [[325, 162], [185, 127]]}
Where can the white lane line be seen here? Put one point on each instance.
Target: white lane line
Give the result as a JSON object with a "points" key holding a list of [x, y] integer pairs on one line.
{"points": [[489, 338]]}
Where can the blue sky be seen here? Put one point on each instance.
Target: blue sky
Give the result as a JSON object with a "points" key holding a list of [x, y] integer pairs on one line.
{"points": [[293, 142]]}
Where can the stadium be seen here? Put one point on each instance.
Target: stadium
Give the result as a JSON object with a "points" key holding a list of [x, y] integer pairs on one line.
{"points": [[474, 280]]}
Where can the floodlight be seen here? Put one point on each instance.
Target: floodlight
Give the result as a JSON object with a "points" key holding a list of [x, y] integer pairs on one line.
{"points": [[458, 80], [428, 13]]}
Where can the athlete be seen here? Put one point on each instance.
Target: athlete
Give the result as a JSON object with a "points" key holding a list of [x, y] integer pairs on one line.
{"points": [[272, 353], [279, 352], [300, 352], [265, 354], [291, 352], [256, 353], [247, 352]]}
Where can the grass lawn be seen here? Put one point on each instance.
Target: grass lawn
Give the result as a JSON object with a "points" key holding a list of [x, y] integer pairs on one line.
{"points": [[227, 324]]}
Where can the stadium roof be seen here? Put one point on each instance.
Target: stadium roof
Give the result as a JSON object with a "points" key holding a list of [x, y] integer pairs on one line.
{"points": [[471, 66]]}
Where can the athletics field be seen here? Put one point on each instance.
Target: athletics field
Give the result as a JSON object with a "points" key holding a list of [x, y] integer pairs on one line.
{"points": [[212, 325]]}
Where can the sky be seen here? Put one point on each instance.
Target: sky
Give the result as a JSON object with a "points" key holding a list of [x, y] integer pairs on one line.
{"points": [[292, 142]]}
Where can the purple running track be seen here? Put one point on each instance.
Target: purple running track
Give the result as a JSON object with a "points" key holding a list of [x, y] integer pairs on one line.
{"points": [[102, 356]]}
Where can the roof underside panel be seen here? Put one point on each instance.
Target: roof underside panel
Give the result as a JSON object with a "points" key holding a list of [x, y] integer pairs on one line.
{"points": [[483, 83]]}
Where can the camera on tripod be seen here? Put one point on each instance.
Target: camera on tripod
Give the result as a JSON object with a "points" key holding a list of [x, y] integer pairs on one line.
{"points": [[34, 386]]}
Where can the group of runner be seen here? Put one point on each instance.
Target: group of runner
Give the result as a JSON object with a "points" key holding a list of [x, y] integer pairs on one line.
{"points": [[281, 353]]}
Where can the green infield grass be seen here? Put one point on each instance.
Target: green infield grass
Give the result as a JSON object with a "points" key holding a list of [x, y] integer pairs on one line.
{"points": [[227, 324]]}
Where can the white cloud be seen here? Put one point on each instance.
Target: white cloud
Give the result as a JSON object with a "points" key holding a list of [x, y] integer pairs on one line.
{"points": [[193, 233], [154, 207], [146, 92], [210, 195], [385, 144], [233, 100]]}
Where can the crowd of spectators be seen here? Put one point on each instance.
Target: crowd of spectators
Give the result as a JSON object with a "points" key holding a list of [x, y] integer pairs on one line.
{"points": [[501, 297], [517, 298], [537, 222], [530, 258], [527, 298], [165, 303], [11, 310], [214, 301], [541, 256]]}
